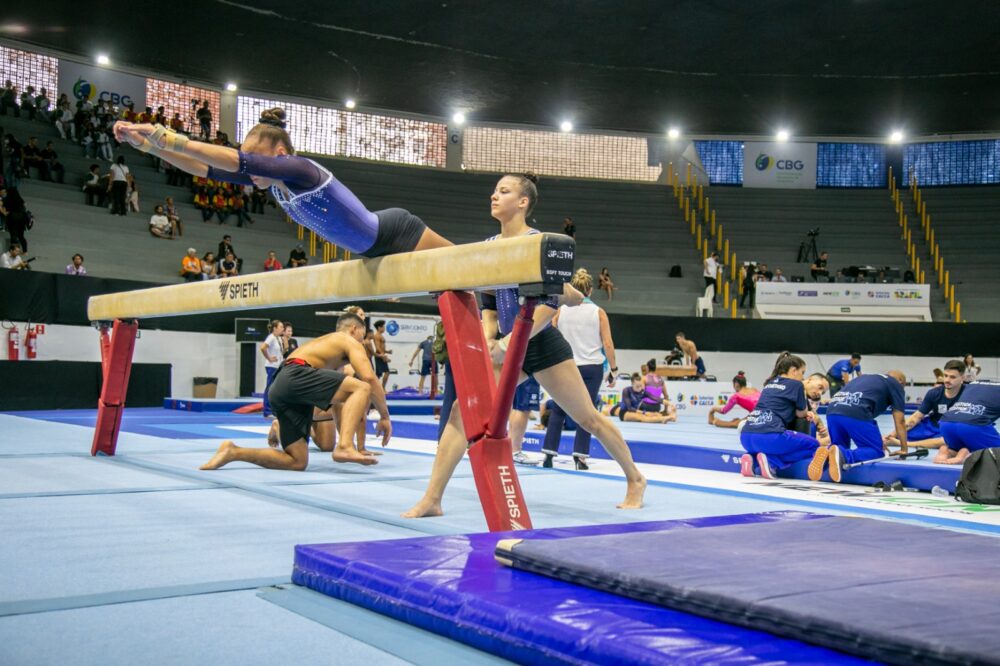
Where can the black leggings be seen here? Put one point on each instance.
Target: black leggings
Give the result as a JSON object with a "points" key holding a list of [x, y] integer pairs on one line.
{"points": [[592, 377]]}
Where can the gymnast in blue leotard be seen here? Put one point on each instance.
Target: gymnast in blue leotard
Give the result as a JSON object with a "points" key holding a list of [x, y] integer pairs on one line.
{"points": [[309, 193]]}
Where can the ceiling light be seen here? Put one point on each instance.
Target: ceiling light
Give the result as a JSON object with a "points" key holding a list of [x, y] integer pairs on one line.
{"points": [[350, 104], [673, 133], [566, 126], [896, 136], [103, 59], [231, 87], [782, 135], [458, 118]]}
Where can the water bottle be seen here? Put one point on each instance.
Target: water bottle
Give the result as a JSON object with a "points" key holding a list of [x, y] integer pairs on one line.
{"points": [[938, 491]]}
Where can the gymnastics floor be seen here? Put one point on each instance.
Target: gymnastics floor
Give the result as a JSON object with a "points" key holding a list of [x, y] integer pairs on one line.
{"points": [[143, 556]]}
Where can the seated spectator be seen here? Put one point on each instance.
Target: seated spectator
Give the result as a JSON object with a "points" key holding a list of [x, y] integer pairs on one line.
{"points": [[258, 198], [209, 270], [297, 257], [104, 139], [202, 203], [191, 266], [604, 282], [8, 100], [220, 206], [227, 266], [819, 269], [238, 206], [779, 276], [766, 273], [12, 259], [95, 186], [175, 221], [569, 228], [176, 124], [77, 267], [28, 102], [64, 121], [272, 263], [31, 156], [159, 224], [52, 164], [226, 247]]}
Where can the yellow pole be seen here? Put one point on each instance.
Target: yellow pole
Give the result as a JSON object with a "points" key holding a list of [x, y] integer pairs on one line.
{"points": [[670, 173], [713, 224], [704, 249], [726, 253], [947, 275], [301, 232], [694, 179], [951, 299], [930, 239], [732, 271], [916, 271], [958, 312], [718, 240], [312, 243], [725, 294], [326, 253], [923, 277], [701, 197], [698, 236], [687, 182], [733, 305], [940, 271], [928, 232], [891, 182], [708, 215]]}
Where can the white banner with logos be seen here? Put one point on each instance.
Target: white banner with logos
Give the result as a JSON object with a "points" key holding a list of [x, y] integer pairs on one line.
{"points": [[807, 293], [779, 165], [86, 82]]}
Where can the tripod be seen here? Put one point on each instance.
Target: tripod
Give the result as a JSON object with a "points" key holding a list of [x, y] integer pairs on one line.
{"points": [[807, 250]]}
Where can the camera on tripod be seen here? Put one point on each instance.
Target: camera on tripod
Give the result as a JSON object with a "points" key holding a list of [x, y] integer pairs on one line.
{"points": [[813, 232], [807, 248]]}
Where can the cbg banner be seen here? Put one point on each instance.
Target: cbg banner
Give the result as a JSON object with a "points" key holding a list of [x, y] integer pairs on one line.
{"points": [[780, 165], [97, 83]]}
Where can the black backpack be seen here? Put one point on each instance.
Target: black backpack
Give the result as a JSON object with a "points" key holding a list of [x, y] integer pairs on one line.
{"points": [[980, 480]]}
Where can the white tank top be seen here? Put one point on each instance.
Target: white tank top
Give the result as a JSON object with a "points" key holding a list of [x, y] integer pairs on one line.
{"points": [[581, 326]]}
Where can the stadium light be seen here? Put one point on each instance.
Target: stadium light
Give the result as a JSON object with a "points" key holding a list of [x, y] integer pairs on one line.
{"points": [[566, 126], [896, 136], [350, 104], [782, 135], [231, 87], [103, 59], [458, 118], [673, 133]]}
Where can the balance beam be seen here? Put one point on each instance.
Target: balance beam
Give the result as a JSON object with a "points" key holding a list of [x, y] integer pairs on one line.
{"points": [[545, 260]]}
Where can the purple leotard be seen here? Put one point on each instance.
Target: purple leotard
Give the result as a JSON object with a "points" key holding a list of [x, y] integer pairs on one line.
{"points": [[318, 201], [506, 301]]}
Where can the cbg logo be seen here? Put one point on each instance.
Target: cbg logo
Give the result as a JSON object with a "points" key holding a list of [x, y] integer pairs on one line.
{"points": [[765, 162]]}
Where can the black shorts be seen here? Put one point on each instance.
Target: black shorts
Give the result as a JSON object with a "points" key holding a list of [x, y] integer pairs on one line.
{"points": [[399, 230], [381, 367], [296, 389], [545, 350]]}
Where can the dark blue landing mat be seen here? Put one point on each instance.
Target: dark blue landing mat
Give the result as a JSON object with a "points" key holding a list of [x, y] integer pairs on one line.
{"points": [[900, 593], [453, 586]]}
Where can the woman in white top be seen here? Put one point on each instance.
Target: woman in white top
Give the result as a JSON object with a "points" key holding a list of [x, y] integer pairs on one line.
{"points": [[972, 370], [271, 349], [120, 177], [711, 272], [587, 331]]}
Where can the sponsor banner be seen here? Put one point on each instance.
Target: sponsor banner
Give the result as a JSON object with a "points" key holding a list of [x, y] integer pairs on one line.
{"points": [[405, 329], [86, 82], [780, 165], [806, 293]]}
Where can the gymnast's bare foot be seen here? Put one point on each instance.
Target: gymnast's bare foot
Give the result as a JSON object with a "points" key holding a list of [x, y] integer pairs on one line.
{"points": [[942, 456], [222, 457], [425, 508], [350, 455], [633, 496], [369, 452]]}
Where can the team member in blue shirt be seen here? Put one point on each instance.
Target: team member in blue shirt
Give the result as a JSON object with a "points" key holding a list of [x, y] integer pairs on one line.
{"points": [[526, 400], [922, 429], [851, 417], [766, 433], [843, 371], [970, 423]]}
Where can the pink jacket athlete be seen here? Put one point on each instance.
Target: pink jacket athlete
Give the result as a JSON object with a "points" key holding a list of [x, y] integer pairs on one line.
{"points": [[743, 396]]}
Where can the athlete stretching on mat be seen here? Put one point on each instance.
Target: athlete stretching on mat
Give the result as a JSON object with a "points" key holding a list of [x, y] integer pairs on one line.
{"points": [[549, 358], [970, 425], [922, 426], [743, 396], [628, 408], [305, 382], [307, 192]]}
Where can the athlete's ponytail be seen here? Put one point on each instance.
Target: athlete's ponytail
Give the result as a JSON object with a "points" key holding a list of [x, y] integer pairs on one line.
{"points": [[740, 380], [786, 361]]}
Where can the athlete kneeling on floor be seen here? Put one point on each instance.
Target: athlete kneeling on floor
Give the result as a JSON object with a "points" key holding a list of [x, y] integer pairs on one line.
{"points": [[970, 424]]}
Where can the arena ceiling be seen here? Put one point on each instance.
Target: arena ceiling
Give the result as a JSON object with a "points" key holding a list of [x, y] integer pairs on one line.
{"points": [[834, 67]]}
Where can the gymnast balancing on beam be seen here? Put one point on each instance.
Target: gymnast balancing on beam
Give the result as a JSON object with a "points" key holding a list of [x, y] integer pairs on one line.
{"points": [[304, 382], [306, 191], [549, 359]]}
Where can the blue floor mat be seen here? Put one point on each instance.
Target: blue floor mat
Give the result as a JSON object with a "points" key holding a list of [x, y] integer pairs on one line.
{"points": [[842, 583], [452, 585]]}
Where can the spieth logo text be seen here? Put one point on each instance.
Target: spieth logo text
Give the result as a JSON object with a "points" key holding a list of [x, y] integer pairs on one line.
{"points": [[234, 291], [510, 494]]}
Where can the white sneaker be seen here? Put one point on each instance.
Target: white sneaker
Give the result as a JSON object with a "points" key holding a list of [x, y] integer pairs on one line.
{"points": [[521, 458]]}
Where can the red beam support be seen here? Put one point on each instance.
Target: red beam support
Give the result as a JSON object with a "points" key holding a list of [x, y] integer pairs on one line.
{"points": [[484, 409], [116, 358]]}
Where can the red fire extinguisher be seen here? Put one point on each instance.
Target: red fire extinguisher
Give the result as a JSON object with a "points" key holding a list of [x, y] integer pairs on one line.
{"points": [[31, 341], [13, 343]]}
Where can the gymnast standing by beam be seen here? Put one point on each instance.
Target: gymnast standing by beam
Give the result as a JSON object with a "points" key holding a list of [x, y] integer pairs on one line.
{"points": [[549, 358], [306, 191]]}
